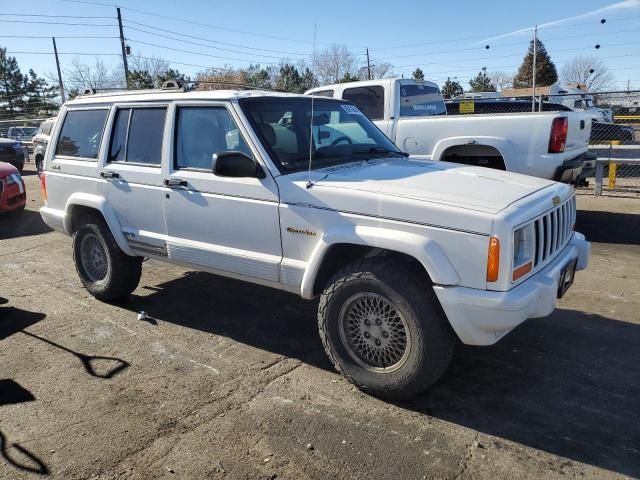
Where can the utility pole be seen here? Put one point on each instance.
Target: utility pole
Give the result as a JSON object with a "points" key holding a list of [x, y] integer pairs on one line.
{"points": [[55, 51], [368, 66], [124, 49], [533, 77]]}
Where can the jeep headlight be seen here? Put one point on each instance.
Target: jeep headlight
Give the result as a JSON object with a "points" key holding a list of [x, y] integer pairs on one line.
{"points": [[524, 247]]}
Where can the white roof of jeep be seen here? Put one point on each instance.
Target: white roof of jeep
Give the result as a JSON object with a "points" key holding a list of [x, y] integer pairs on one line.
{"points": [[130, 96]]}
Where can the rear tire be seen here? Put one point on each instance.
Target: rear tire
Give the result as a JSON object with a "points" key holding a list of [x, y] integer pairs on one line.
{"points": [[105, 270], [384, 329]]}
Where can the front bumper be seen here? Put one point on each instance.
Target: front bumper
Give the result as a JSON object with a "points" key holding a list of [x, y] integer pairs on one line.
{"points": [[12, 197], [482, 317]]}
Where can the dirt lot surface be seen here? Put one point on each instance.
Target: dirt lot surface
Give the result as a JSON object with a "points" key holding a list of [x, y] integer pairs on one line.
{"points": [[229, 380]]}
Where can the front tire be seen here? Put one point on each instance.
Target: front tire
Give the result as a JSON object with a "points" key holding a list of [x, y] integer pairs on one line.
{"points": [[105, 270], [384, 329]]}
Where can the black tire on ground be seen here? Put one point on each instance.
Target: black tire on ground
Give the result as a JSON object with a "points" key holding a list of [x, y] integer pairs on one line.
{"points": [[384, 281], [117, 274]]}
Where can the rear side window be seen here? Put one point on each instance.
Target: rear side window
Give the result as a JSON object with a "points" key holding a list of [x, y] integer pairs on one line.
{"points": [[421, 101], [323, 93], [370, 100], [137, 135], [81, 133]]}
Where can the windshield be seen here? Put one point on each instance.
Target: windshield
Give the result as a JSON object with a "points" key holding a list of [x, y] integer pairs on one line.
{"points": [[341, 133], [420, 101]]}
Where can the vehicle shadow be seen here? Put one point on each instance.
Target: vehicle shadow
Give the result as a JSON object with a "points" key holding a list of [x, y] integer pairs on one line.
{"points": [[609, 227], [268, 319], [566, 384], [22, 224]]}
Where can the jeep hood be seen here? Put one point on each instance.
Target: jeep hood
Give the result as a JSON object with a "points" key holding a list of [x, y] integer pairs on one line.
{"points": [[472, 188]]}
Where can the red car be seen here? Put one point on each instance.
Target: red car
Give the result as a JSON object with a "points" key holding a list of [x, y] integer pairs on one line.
{"points": [[13, 194]]}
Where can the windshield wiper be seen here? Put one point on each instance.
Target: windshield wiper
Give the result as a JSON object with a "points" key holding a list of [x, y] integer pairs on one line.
{"points": [[380, 150]]}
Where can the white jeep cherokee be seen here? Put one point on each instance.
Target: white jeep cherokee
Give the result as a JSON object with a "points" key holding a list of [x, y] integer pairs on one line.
{"points": [[405, 255]]}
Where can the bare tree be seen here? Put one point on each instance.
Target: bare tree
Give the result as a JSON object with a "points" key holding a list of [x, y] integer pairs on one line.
{"points": [[502, 80], [382, 70], [98, 75], [154, 66], [334, 63], [588, 71]]}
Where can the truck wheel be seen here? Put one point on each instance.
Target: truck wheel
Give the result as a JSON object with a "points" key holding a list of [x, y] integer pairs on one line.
{"points": [[105, 270], [39, 160], [384, 329]]}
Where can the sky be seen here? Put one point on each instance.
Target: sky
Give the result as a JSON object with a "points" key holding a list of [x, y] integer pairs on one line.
{"points": [[445, 39]]}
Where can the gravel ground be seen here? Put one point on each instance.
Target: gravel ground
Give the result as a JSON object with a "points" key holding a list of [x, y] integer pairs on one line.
{"points": [[229, 380]]}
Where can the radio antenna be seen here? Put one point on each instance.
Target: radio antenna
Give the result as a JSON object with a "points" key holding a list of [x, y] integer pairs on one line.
{"points": [[313, 76]]}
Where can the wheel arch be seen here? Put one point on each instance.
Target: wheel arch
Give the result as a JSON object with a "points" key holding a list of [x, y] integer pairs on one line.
{"points": [[345, 243], [81, 204], [503, 146]]}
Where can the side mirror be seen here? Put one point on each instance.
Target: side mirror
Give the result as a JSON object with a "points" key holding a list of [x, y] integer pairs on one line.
{"points": [[235, 164]]}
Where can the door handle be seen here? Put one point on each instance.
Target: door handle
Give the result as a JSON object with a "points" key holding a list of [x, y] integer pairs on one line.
{"points": [[109, 175], [174, 182]]}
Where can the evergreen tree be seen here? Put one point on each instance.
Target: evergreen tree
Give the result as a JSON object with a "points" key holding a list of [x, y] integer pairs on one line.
{"points": [[41, 99], [140, 80], [546, 73], [451, 89], [418, 74], [292, 80], [482, 83], [171, 74], [11, 85], [348, 78]]}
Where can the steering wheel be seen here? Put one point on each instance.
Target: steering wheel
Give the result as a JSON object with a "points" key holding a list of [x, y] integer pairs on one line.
{"points": [[341, 139]]}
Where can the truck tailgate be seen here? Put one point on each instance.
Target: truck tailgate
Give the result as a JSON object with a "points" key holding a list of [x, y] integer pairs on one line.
{"points": [[579, 131]]}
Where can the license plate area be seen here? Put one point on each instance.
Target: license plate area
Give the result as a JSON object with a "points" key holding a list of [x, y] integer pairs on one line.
{"points": [[567, 275]]}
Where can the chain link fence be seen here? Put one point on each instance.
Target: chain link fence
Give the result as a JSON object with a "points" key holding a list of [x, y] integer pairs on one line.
{"points": [[615, 129]]}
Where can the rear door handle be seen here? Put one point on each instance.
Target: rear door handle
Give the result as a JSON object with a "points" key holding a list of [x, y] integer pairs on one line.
{"points": [[174, 182], [109, 175]]}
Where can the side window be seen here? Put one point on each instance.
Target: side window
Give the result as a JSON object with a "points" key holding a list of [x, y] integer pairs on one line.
{"points": [[370, 100], [203, 131], [137, 135], [323, 93], [81, 133]]}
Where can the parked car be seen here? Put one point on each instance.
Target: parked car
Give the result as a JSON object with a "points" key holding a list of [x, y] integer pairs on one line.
{"points": [[13, 194], [24, 135], [413, 114], [40, 142], [12, 152], [306, 195]]}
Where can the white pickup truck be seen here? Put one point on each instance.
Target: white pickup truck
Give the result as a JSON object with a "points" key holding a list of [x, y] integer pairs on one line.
{"points": [[551, 145]]}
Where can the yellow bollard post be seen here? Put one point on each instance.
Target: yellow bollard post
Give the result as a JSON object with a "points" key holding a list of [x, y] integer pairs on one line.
{"points": [[612, 176]]}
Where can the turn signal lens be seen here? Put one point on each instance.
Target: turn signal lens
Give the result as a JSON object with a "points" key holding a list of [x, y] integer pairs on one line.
{"points": [[522, 270], [493, 260], [43, 187]]}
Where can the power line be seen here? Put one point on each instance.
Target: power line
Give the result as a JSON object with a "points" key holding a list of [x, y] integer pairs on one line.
{"points": [[50, 16], [200, 38], [49, 36], [62, 23], [203, 44], [191, 22], [478, 48], [64, 53], [195, 53], [459, 39]]}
